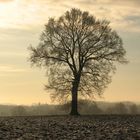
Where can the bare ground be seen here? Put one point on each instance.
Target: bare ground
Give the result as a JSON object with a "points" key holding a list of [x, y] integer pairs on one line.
{"points": [[97, 127]]}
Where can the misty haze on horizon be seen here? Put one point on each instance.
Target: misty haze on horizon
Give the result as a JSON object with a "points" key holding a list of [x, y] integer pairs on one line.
{"points": [[85, 107], [21, 24]]}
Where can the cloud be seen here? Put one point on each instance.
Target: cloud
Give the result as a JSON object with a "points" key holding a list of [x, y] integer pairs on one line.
{"points": [[11, 54], [10, 69], [115, 11], [123, 3], [135, 19], [27, 14], [3, 1]]}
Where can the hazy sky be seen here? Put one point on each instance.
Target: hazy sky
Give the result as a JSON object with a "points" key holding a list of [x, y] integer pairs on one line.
{"points": [[21, 23]]}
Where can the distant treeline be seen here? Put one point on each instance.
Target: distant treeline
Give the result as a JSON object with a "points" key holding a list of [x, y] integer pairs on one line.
{"points": [[84, 107]]}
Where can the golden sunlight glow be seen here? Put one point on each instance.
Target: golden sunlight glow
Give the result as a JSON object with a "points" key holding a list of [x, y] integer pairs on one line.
{"points": [[21, 22]]}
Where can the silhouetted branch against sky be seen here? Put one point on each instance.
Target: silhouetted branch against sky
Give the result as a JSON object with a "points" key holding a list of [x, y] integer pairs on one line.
{"points": [[85, 48]]}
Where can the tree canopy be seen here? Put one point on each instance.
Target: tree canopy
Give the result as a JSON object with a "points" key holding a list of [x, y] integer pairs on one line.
{"points": [[79, 53]]}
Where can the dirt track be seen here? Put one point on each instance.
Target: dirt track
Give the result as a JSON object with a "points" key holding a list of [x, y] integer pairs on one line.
{"points": [[99, 127]]}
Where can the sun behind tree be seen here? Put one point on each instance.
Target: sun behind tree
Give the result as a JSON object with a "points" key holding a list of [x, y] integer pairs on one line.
{"points": [[79, 55]]}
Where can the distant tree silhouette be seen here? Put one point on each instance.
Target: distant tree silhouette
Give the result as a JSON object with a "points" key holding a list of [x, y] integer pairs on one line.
{"points": [[19, 111], [109, 110], [88, 107], [133, 109], [84, 106], [78, 53], [120, 108]]}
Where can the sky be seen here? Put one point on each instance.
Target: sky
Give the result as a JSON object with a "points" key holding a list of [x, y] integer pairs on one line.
{"points": [[21, 23]]}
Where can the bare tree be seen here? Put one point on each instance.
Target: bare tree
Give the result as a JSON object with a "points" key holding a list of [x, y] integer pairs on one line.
{"points": [[78, 53]]}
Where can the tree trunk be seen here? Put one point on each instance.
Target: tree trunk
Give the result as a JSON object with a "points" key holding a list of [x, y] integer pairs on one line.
{"points": [[74, 102]]}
